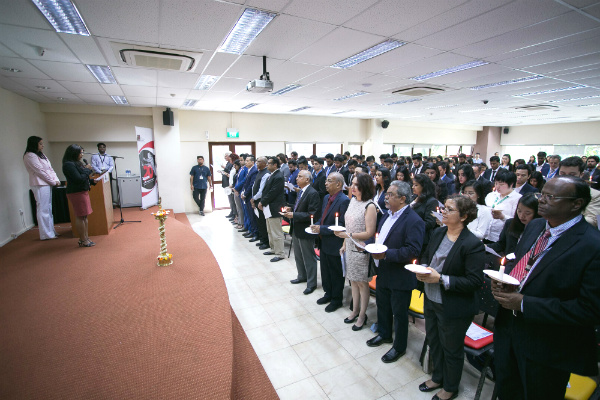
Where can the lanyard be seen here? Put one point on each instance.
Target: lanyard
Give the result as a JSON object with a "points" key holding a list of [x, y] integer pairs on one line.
{"points": [[498, 201]]}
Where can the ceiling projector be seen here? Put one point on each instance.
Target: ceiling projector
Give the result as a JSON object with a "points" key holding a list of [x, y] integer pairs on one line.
{"points": [[263, 84]]}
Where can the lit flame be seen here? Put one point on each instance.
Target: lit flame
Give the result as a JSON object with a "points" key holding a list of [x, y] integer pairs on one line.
{"points": [[502, 261], [415, 261]]}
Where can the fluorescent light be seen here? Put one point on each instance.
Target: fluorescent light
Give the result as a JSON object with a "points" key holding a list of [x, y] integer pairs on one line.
{"points": [[102, 73], [452, 70], [564, 89], [63, 16], [590, 105], [479, 109], [11, 69], [299, 109], [119, 99], [402, 102], [245, 30], [351, 96], [190, 103], [369, 53], [205, 82], [286, 89], [342, 112], [573, 99], [518, 80], [446, 106], [247, 106]]}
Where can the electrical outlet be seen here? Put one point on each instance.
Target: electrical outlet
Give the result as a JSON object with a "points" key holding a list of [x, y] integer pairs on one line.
{"points": [[20, 212]]}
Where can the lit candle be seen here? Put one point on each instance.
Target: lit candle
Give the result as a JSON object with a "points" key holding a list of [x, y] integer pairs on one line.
{"points": [[376, 237], [336, 219], [311, 220], [591, 175], [415, 261], [502, 269], [438, 210]]}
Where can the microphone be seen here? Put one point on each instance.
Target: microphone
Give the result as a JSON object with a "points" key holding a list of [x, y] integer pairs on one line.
{"points": [[117, 157], [84, 162], [89, 153]]}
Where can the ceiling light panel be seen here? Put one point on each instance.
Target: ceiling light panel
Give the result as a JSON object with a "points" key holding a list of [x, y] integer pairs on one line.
{"points": [[119, 99], [102, 73], [478, 109], [300, 109], [510, 82], [245, 30], [563, 89], [342, 112], [63, 16], [369, 53], [247, 106], [189, 103], [458, 68], [286, 89], [573, 99], [205, 82], [350, 96], [402, 102]]}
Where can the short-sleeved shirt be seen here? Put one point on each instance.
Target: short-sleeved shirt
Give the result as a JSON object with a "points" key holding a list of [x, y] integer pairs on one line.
{"points": [[200, 174]]}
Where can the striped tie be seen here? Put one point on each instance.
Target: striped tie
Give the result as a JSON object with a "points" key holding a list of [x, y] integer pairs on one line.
{"points": [[519, 272]]}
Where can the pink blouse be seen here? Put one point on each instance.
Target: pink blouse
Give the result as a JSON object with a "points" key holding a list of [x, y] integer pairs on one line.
{"points": [[40, 170]]}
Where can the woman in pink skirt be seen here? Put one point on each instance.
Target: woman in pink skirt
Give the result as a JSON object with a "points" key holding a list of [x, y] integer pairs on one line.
{"points": [[78, 187]]}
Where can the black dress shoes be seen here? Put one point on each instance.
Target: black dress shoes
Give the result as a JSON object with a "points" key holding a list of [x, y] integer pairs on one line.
{"points": [[378, 341], [243, 230], [358, 328], [263, 246], [254, 239], [331, 307], [350, 320], [296, 281], [309, 290], [248, 234], [454, 395], [275, 259], [424, 388], [324, 300], [268, 253], [392, 355]]}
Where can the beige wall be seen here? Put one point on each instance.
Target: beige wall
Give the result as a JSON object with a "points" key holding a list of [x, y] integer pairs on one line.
{"points": [[571, 133]]}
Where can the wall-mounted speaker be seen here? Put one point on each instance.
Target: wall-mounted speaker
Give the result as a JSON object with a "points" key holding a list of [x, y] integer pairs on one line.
{"points": [[505, 131], [385, 123], [168, 118]]}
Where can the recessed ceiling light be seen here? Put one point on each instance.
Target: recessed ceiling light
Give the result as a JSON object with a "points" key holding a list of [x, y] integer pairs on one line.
{"points": [[286, 89], [205, 82], [342, 112], [518, 80], [43, 87], [102, 73], [452, 70], [247, 106], [369, 53], [60, 98], [351, 96], [245, 30], [11, 69], [402, 102], [300, 109], [119, 99], [564, 89], [63, 16], [190, 103], [446, 106], [573, 99], [590, 105], [478, 109]]}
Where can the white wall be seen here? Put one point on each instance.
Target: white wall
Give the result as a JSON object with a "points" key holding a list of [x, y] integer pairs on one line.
{"points": [[399, 132], [569, 133], [20, 118]]}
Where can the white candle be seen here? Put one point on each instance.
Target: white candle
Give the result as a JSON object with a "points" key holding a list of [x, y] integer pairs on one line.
{"points": [[311, 220], [336, 219], [501, 272]]}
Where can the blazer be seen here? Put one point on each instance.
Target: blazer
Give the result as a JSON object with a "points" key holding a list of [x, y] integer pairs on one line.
{"points": [[487, 174], [545, 169], [527, 188], [331, 244], [488, 186], [78, 177], [241, 179], [404, 243], [319, 184], [40, 170], [225, 178], [464, 266], [310, 204], [561, 302], [257, 180], [273, 194], [424, 211], [249, 183], [285, 170], [507, 243], [450, 186]]}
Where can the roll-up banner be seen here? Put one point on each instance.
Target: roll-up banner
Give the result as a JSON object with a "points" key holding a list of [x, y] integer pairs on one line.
{"points": [[145, 144]]}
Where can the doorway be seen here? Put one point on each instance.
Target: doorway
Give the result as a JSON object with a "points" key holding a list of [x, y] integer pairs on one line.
{"points": [[216, 154]]}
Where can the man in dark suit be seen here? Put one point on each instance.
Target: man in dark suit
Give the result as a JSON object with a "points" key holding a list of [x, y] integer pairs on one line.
{"points": [[307, 204], [352, 164], [261, 235], [542, 165], [339, 162], [329, 167], [593, 171], [319, 178], [246, 195], [417, 165], [544, 330], [490, 173], [225, 183], [332, 277], [487, 184], [402, 231], [273, 197], [523, 174]]}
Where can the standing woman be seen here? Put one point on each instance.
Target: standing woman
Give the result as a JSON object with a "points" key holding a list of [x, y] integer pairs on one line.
{"points": [[382, 183], [78, 188], [506, 163], [403, 174], [465, 174], [481, 225], [441, 189], [537, 180], [237, 212], [424, 204], [455, 258], [361, 224], [41, 179]]}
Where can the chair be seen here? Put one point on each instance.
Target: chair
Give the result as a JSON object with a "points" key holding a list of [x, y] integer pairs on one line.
{"points": [[285, 227], [580, 388], [318, 253], [373, 285], [417, 305]]}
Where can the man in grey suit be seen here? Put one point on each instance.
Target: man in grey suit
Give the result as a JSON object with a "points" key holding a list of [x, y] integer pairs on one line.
{"points": [[308, 203]]}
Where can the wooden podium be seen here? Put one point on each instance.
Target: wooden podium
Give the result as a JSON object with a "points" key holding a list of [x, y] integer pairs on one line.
{"points": [[100, 220]]}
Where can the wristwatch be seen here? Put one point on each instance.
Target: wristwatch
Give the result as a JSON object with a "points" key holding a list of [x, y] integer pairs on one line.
{"points": [[441, 281]]}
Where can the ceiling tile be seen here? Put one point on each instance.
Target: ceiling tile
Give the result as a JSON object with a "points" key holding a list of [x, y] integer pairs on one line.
{"points": [[6, 52], [64, 71], [332, 12], [431, 64], [268, 5], [168, 92], [250, 67], [219, 64], [83, 87], [406, 54], [233, 85], [177, 79], [345, 77], [142, 101], [23, 13], [581, 3], [169, 102], [31, 84], [28, 42], [135, 76], [112, 89], [27, 70], [594, 11], [96, 99], [291, 71], [85, 48], [564, 65], [139, 91]]}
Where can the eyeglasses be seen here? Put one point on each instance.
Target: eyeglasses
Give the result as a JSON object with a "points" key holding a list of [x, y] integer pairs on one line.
{"points": [[551, 197]]}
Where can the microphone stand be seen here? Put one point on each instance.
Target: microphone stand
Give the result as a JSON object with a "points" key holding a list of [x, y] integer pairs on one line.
{"points": [[122, 221]]}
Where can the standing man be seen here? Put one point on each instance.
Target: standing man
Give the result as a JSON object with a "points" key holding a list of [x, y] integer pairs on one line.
{"points": [[554, 165], [329, 168], [262, 236], [339, 161], [273, 197], [542, 165], [574, 166], [402, 231], [523, 173], [225, 182], [285, 169], [307, 203], [246, 195], [477, 159], [102, 162], [294, 156], [200, 180], [593, 171], [490, 174], [544, 330], [417, 164], [332, 277], [237, 190], [478, 170], [319, 178]]}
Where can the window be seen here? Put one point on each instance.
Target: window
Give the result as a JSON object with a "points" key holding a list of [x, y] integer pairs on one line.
{"points": [[452, 150], [525, 152], [569, 150], [592, 150], [385, 149], [403, 149], [421, 148], [467, 149], [438, 150], [325, 148], [354, 149], [303, 149]]}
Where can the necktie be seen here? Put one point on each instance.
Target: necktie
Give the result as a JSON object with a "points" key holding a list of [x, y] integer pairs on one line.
{"points": [[520, 271], [493, 176], [327, 208], [298, 199]]}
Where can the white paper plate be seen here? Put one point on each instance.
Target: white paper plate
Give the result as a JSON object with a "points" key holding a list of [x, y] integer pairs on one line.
{"points": [[282, 213], [417, 269], [376, 248], [495, 275], [228, 191], [308, 230], [337, 228]]}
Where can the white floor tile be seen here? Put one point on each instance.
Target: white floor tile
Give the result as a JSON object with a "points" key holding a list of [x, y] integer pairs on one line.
{"points": [[267, 339], [301, 329], [321, 354], [305, 389], [284, 367], [349, 381]]}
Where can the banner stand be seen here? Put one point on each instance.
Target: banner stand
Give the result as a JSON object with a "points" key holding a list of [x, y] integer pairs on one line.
{"points": [[146, 154]]}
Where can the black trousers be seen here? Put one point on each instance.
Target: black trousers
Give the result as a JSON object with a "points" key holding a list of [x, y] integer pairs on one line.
{"points": [[332, 277], [263, 234], [446, 339], [519, 378], [199, 198], [392, 308]]}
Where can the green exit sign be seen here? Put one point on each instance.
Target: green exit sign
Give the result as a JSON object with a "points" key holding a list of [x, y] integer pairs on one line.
{"points": [[233, 134]]}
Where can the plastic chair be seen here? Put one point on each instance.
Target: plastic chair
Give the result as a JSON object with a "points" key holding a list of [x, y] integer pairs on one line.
{"points": [[417, 305], [373, 285], [580, 388], [285, 227]]}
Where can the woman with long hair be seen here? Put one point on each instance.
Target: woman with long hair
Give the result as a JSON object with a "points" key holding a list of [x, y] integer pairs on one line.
{"points": [[537, 180], [505, 163], [527, 211], [41, 180], [403, 174], [382, 183], [425, 203], [465, 173], [78, 188], [441, 189]]}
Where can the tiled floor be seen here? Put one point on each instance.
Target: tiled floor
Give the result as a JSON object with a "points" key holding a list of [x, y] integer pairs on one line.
{"points": [[306, 352]]}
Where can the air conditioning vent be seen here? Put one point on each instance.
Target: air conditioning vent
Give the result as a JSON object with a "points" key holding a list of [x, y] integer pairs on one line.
{"points": [[418, 91], [537, 107], [155, 58]]}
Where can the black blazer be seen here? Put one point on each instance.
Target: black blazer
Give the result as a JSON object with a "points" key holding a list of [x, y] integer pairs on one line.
{"points": [[487, 174], [273, 194], [561, 302], [319, 184], [488, 186], [507, 242], [331, 244], [225, 178], [310, 204], [404, 242], [424, 211], [527, 188], [464, 265], [78, 177]]}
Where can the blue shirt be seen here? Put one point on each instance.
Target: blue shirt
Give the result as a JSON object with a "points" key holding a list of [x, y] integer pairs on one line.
{"points": [[200, 174]]}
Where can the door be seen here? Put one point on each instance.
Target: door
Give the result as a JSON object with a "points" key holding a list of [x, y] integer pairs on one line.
{"points": [[216, 154]]}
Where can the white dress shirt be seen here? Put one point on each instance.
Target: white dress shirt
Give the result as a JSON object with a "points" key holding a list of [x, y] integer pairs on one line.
{"points": [[508, 206], [102, 162], [387, 226]]}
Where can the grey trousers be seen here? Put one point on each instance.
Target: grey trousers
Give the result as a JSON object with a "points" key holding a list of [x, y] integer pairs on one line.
{"points": [[306, 260], [275, 236], [239, 209]]}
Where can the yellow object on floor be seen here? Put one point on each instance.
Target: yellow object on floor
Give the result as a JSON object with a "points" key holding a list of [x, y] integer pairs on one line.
{"points": [[581, 388], [416, 302]]}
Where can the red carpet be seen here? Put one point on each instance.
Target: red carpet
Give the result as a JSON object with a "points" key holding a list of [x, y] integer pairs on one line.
{"points": [[107, 323]]}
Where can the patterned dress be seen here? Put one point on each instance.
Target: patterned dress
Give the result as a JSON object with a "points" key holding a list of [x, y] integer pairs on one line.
{"points": [[357, 264]]}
